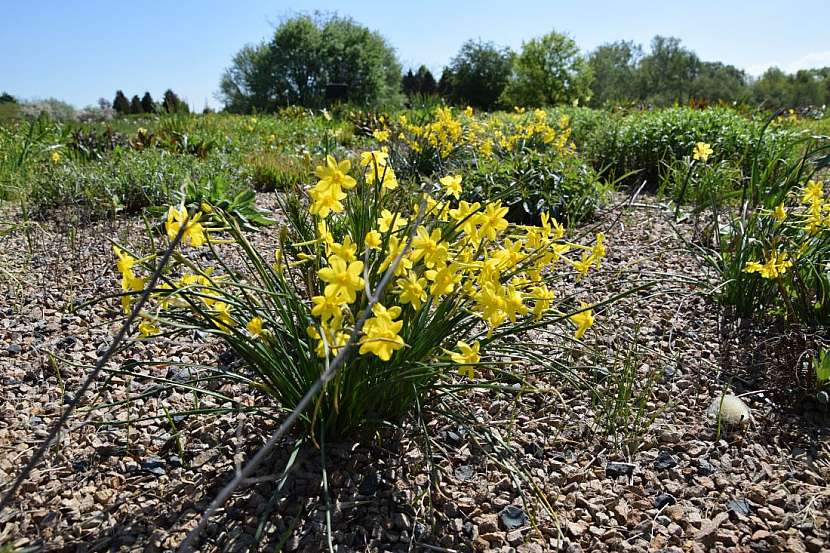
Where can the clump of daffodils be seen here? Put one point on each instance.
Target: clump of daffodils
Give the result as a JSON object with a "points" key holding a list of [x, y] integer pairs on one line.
{"points": [[460, 280], [460, 253], [448, 132], [790, 252], [808, 221]]}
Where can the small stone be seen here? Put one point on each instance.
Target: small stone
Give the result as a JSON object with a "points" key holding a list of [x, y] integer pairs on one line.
{"points": [[704, 467], [675, 512], [14, 349], [154, 465], [710, 527], [664, 499], [615, 470], [706, 483], [420, 530], [814, 544], [464, 473], [670, 436], [487, 523], [795, 545], [178, 373], [494, 538], [759, 535], [515, 538], [369, 485], [729, 409], [726, 537], [739, 506], [665, 461], [576, 529], [513, 517]]}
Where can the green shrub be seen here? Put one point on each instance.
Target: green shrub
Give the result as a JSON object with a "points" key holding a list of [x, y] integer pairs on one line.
{"points": [[646, 142], [772, 255], [126, 180], [531, 183], [270, 171]]}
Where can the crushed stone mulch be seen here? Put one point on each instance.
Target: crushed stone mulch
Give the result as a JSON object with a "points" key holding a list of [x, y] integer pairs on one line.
{"points": [[660, 476]]}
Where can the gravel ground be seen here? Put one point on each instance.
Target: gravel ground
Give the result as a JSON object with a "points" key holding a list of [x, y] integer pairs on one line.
{"points": [[656, 477]]}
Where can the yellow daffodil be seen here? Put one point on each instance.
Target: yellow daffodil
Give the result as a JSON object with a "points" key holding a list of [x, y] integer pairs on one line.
{"points": [[326, 201], [148, 329], [343, 278], [443, 280], [702, 151], [813, 192], [582, 321], [491, 221], [194, 233], [452, 184], [327, 306], [380, 333], [125, 262], [346, 250], [373, 240], [466, 356], [776, 265], [221, 315], [254, 326], [429, 247], [389, 220], [335, 174], [412, 290]]}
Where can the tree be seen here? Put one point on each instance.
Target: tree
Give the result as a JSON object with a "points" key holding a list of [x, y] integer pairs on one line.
{"points": [[247, 83], [7, 98], [173, 104], [716, 81], [445, 84], [773, 89], [147, 103], [426, 82], [808, 88], [120, 104], [421, 82], [478, 74], [304, 56], [409, 84], [614, 68], [135, 105], [667, 72], [550, 70]]}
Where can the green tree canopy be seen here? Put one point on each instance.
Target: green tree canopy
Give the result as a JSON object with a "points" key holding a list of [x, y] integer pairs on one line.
{"points": [[135, 105], [478, 74], [716, 81], [304, 56], [121, 104], [614, 68], [147, 103], [550, 70], [667, 72]]}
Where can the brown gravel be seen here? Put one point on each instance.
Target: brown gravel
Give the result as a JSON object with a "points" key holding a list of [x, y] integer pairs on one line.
{"points": [[140, 485]]}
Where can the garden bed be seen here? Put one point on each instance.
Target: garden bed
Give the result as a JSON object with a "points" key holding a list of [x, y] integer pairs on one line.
{"points": [[142, 484]]}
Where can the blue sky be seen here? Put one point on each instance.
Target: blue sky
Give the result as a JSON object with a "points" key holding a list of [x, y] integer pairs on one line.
{"points": [[80, 51]]}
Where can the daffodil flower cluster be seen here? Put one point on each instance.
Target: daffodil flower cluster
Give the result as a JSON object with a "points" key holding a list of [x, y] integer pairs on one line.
{"points": [[447, 132], [463, 254], [800, 224]]}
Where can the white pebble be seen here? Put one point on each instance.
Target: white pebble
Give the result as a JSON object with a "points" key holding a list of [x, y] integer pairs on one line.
{"points": [[730, 409]]}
